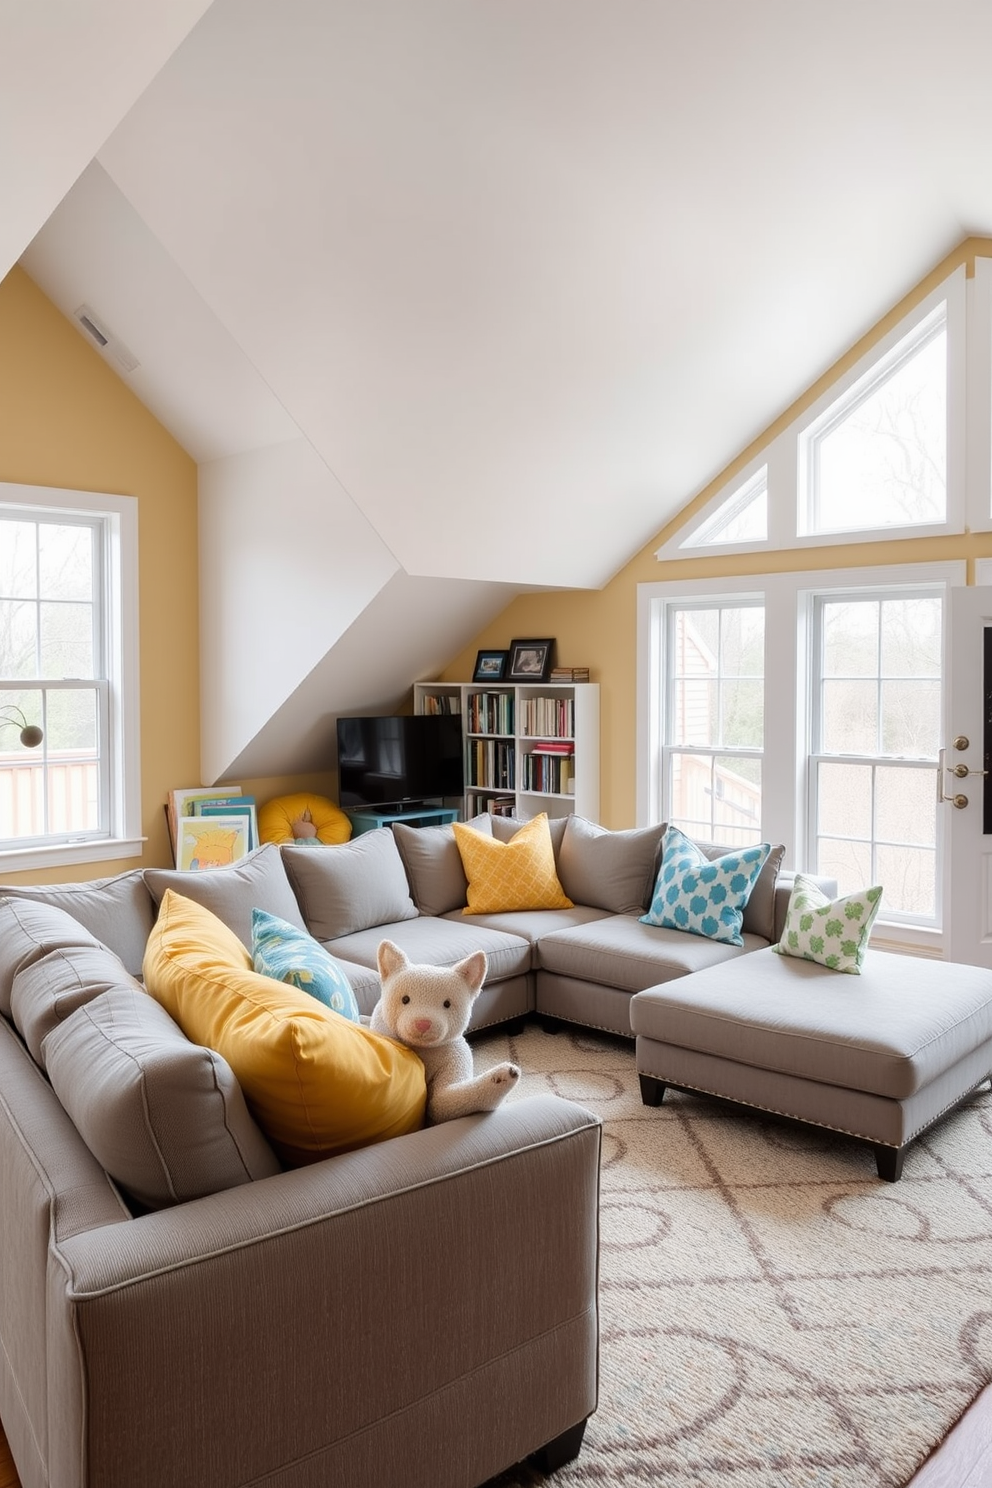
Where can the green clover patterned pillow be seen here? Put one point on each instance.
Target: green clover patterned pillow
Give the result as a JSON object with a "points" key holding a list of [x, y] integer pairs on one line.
{"points": [[282, 951], [701, 895], [833, 932]]}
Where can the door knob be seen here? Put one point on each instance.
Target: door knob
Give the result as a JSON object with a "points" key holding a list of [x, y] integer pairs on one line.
{"points": [[961, 742], [959, 801]]}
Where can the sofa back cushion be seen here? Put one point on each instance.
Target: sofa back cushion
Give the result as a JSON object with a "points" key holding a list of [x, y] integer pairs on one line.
{"points": [[356, 886], [434, 866], [166, 1119], [49, 990], [257, 881], [28, 931], [317, 1083], [119, 910], [609, 870], [505, 828]]}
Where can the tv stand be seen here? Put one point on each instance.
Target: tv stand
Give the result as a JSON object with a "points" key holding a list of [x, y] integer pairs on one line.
{"points": [[366, 819]]}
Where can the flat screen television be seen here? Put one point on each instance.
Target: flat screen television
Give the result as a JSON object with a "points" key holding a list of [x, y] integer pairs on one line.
{"points": [[399, 761]]}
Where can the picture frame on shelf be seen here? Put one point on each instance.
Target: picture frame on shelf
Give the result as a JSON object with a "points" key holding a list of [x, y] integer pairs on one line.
{"points": [[530, 661], [490, 666]]}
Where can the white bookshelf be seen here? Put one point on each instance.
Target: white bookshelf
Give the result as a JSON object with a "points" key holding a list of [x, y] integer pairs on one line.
{"points": [[513, 736]]}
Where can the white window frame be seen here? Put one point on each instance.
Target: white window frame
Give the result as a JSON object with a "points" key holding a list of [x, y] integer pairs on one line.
{"points": [[969, 444], [121, 759], [788, 600]]}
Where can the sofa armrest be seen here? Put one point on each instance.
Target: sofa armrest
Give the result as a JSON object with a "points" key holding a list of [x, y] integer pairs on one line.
{"points": [[441, 1285]]}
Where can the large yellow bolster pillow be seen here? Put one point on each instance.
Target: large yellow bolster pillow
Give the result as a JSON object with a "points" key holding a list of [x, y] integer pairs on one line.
{"points": [[316, 1082]]}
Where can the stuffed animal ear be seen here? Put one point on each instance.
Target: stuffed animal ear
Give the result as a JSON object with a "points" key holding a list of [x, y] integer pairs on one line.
{"points": [[472, 971], [390, 958]]}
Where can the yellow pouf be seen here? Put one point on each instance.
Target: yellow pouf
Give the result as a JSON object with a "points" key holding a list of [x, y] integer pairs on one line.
{"points": [[302, 818]]}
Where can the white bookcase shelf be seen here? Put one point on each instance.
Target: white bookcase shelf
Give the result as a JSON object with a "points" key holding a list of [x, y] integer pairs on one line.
{"points": [[529, 747]]}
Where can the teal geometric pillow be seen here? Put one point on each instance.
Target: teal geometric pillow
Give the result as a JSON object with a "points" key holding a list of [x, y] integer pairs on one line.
{"points": [[280, 950], [703, 896], [833, 932]]}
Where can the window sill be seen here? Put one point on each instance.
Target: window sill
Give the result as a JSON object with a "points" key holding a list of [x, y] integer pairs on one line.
{"points": [[29, 859]]}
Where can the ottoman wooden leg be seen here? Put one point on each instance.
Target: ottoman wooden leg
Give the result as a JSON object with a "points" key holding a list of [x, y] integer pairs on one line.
{"points": [[652, 1090], [554, 1454], [888, 1160]]}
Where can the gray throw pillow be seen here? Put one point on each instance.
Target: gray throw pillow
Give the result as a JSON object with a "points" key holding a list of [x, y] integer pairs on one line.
{"points": [[165, 1117], [50, 989], [119, 910], [434, 865], [356, 886], [29, 931], [258, 881], [608, 870], [505, 828]]}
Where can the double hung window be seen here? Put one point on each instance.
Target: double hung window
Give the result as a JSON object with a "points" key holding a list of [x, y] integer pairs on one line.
{"points": [[68, 668]]}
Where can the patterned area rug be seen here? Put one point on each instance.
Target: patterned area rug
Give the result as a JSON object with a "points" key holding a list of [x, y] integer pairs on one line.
{"points": [[772, 1315]]}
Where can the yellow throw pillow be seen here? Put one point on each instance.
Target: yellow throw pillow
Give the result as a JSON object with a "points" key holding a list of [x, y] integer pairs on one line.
{"points": [[317, 1083], [519, 874]]}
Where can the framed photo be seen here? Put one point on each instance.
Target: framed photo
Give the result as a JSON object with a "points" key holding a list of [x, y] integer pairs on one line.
{"points": [[530, 661], [490, 666], [211, 841]]}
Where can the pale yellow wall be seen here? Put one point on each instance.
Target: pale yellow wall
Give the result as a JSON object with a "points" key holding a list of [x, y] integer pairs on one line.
{"points": [[67, 420], [598, 628]]}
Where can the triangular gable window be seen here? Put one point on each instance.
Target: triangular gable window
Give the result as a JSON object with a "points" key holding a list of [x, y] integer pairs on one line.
{"points": [[741, 518]]}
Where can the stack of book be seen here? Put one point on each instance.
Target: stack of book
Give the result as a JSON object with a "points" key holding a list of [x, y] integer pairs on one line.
{"points": [[569, 674], [211, 827], [550, 767]]}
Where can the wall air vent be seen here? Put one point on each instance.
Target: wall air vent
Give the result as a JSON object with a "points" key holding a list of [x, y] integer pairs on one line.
{"points": [[104, 339]]}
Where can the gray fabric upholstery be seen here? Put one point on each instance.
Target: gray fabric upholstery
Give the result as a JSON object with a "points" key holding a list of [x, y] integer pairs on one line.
{"points": [[166, 1118], [258, 881], [889, 1031], [49, 990], [28, 931], [860, 1113], [358, 885], [440, 1378], [119, 910], [530, 924], [586, 1004], [505, 828], [434, 865], [613, 871], [439, 942], [621, 952]]}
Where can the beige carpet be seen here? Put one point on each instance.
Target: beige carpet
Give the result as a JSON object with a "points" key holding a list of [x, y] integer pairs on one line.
{"points": [[772, 1315]]}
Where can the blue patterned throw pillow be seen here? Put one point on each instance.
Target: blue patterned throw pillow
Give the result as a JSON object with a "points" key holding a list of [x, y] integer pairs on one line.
{"points": [[282, 951], [700, 895]]}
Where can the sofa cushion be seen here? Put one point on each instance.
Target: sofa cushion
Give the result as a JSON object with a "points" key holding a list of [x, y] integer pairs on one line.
{"points": [[47, 991], [281, 951], [834, 932], [316, 1082], [351, 887], [257, 881], [519, 874], [440, 941], [608, 870], [30, 930], [700, 895], [434, 865], [118, 910], [622, 952], [165, 1118]]}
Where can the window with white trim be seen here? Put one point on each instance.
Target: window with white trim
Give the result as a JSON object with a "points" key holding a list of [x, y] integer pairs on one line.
{"points": [[834, 727], [715, 719], [68, 671], [875, 734]]}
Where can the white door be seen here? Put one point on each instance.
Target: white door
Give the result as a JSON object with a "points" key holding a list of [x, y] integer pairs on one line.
{"points": [[968, 879]]}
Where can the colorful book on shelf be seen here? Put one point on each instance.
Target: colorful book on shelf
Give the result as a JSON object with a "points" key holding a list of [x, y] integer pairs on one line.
{"points": [[211, 841], [245, 807], [182, 803]]}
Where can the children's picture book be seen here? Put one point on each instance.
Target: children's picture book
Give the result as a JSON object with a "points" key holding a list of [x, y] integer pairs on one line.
{"points": [[235, 806], [211, 841], [182, 803]]}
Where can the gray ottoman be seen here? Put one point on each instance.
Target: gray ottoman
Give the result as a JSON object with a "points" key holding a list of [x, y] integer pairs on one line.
{"points": [[880, 1056]]}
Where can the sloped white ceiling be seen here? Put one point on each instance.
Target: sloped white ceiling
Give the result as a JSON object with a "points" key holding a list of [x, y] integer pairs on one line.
{"points": [[522, 274]]}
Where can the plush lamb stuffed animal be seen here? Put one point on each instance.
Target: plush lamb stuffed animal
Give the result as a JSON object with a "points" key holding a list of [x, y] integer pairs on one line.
{"points": [[428, 1008]]}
